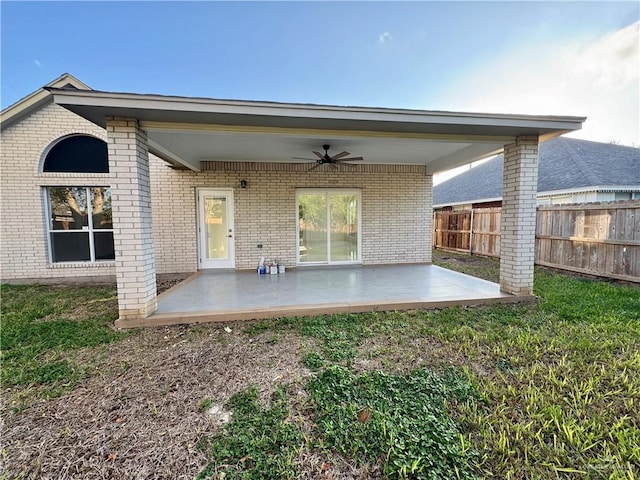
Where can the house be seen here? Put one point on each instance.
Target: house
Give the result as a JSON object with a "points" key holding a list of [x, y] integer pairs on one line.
{"points": [[569, 171], [129, 186]]}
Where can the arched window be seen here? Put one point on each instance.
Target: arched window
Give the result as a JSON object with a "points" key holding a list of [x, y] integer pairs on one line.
{"points": [[80, 223], [77, 154]]}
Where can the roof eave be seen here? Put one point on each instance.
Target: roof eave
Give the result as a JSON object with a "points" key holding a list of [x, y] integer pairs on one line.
{"points": [[551, 193], [40, 97], [591, 188], [96, 106]]}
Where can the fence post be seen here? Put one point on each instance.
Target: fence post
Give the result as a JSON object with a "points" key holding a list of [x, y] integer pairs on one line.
{"points": [[471, 233], [434, 233]]}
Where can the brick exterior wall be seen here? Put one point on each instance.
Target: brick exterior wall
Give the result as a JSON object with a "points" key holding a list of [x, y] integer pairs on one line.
{"points": [[517, 241], [396, 215], [396, 218], [24, 252]]}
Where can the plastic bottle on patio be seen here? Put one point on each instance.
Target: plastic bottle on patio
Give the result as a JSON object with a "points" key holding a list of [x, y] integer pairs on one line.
{"points": [[261, 267]]}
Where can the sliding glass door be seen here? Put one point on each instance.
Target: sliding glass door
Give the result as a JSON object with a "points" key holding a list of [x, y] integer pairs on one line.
{"points": [[328, 226]]}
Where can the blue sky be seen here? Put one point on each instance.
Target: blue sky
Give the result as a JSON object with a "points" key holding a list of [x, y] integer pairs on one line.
{"points": [[524, 57]]}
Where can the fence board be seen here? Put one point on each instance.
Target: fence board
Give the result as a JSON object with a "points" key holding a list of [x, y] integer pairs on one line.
{"points": [[611, 259], [595, 238], [630, 223], [620, 217]]}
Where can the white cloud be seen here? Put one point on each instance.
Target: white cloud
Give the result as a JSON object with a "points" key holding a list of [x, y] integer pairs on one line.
{"points": [[595, 78], [384, 38], [37, 62]]}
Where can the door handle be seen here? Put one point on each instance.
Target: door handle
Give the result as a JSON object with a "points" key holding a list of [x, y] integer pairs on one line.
{"points": [[229, 236]]}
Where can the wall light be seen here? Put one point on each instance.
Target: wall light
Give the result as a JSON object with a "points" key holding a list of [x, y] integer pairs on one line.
{"points": [[243, 183]]}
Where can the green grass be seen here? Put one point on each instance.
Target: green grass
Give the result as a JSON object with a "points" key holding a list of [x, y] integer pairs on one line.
{"points": [[539, 391], [259, 442], [403, 420], [560, 379], [482, 267], [44, 326], [570, 401]]}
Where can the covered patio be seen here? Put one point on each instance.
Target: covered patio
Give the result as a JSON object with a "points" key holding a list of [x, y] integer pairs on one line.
{"points": [[231, 296], [253, 158]]}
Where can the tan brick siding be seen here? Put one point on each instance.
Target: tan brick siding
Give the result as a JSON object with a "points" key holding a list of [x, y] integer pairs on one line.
{"points": [[396, 216], [23, 224]]}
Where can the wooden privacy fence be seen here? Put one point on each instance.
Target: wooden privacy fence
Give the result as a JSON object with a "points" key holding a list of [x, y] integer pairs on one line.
{"points": [[593, 238], [468, 231]]}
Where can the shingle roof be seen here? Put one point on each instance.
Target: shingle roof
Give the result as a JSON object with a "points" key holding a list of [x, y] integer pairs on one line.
{"points": [[563, 164]]}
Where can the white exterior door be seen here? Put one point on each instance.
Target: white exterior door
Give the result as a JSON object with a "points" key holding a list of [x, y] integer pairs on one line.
{"points": [[215, 229]]}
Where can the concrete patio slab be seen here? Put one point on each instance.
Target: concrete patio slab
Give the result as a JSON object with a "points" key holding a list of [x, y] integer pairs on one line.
{"points": [[232, 296]]}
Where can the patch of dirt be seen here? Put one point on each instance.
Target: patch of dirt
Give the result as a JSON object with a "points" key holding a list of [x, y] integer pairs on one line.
{"points": [[458, 259], [165, 283], [142, 414], [318, 466]]}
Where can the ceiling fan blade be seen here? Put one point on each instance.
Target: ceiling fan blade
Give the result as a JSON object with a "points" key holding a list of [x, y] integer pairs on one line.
{"points": [[318, 154], [352, 159], [314, 167], [334, 166], [340, 155], [304, 158], [345, 163]]}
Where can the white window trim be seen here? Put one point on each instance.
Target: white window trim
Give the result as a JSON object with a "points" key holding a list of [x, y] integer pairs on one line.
{"points": [[327, 191], [90, 231]]}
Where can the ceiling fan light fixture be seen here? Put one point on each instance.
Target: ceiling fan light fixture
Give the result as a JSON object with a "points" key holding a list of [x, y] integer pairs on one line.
{"points": [[333, 161]]}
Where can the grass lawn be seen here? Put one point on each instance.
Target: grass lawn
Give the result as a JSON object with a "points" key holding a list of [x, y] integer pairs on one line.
{"points": [[546, 391], [44, 328]]}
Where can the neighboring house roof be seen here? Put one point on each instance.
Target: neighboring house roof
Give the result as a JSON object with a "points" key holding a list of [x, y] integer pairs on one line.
{"points": [[564, 164], [37, 99]]}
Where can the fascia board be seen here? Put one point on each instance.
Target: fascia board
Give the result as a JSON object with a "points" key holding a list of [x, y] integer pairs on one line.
{"points": [[138, 102]]}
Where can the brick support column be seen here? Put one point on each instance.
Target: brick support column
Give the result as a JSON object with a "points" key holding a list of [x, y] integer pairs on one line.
{"points": [[517, 242], [131, 204]]}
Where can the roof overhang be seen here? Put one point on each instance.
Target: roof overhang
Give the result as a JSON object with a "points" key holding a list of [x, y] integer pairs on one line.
{"points": [[186, 131], [23, 107]]}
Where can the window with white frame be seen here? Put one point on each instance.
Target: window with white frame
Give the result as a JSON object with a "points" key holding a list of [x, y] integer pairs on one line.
{"points": [[328, 226], [80, 224]]}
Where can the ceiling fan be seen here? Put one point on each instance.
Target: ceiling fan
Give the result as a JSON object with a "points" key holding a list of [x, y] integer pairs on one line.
{"points": [[341, 158]]}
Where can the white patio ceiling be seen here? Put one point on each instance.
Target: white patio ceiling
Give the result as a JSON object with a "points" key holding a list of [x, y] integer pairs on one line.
{"points": [[185, 131]]}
